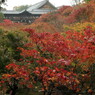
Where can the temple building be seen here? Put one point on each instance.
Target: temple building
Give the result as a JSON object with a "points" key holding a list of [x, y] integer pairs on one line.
{"points": [[30, 14]]}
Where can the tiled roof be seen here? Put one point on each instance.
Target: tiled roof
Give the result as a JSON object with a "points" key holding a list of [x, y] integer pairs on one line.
{"points": [[38, 5], [34, 9], [41, 11], [12, 12]]}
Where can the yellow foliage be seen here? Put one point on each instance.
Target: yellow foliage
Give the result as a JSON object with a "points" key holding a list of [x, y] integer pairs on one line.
{"points": [[79, 26]]}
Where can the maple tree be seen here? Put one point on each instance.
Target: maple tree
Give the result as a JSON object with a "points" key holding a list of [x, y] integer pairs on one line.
{"points": [[9, 41], [68, 15], [54, 60]]}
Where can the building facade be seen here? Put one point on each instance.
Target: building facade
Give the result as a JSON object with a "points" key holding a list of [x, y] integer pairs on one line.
{"points": [[30, 14]]}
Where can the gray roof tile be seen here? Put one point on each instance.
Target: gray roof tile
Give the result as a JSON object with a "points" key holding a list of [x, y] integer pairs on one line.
{"points": [[37, 5], [34, 9]]}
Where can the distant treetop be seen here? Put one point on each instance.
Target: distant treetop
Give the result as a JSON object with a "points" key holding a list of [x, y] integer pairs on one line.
{"points": [[20, 8]]}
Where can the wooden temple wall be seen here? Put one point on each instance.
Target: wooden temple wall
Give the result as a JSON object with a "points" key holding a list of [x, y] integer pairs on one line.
{"points": [[22, 19]]}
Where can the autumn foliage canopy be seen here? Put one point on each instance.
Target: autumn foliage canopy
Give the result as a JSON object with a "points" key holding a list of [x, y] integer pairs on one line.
{"points": [[48, 59]]}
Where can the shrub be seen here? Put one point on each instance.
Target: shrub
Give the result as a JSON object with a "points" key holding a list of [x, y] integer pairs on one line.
{"points": [[52, 61], [78, 26], [1, 17], [9, 41]]}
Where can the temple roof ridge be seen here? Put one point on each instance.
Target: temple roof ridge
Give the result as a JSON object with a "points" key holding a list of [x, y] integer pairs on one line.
{"points": [[38, 5], [41, 7]]}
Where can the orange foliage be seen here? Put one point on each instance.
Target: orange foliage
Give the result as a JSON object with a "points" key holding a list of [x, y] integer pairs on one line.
{"points": [[43, 27]]}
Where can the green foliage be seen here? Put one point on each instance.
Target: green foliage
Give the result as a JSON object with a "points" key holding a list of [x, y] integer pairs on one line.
{"points": [[3, 9], [9, 41], [1, 17], [50, 61], [20, 8], [87, 1]]}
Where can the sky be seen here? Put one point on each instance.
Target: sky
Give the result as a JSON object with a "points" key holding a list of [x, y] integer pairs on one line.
{"points": [[12, 3]]}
